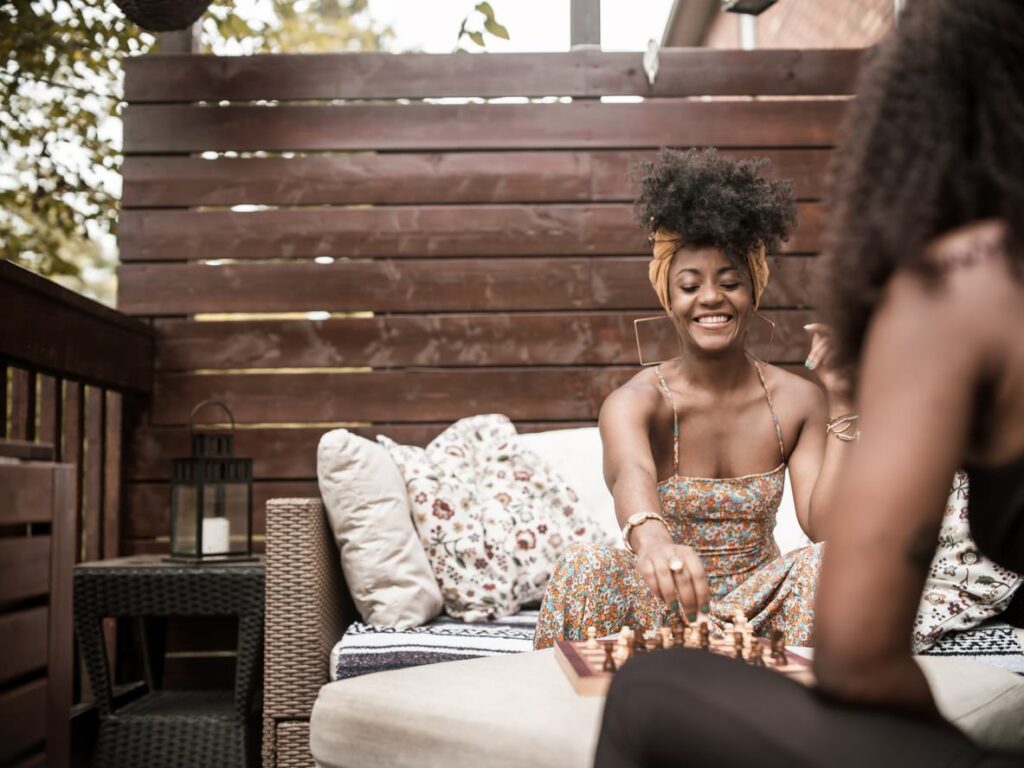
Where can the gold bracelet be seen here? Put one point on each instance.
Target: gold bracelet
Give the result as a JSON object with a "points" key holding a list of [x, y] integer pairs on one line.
{"points": [[840, 426]]}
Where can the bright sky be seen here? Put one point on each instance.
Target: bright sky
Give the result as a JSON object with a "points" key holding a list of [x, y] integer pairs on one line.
{"points": [[533, 25]]}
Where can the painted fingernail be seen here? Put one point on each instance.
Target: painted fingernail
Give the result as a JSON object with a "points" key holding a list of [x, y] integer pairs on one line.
{"points": [[692, 616], [704, 608], [809, 364], [675, 605]]}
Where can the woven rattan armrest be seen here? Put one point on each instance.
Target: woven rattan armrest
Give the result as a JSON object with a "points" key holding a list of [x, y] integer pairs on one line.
{"points": [[307, 609]]}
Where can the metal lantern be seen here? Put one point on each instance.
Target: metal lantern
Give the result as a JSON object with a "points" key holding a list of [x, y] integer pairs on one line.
{"points": [[211, 497]]}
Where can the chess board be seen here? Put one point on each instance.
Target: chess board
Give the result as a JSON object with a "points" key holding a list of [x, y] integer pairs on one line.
{"points": [[583, 665]]}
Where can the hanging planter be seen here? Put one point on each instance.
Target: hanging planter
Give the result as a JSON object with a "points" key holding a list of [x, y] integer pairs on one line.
{"points": [[163, 15]]}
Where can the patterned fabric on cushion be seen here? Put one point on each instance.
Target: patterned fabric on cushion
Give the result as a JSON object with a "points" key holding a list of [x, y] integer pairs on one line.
{"points": [[964, 588], [492, 516], [365, 649]]}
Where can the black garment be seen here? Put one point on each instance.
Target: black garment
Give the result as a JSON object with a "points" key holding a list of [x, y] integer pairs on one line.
{"points": [[996, 512], [688, 709]]}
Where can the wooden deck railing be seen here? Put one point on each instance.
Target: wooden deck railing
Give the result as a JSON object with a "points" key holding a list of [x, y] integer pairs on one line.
{"points": [[69, 368]]}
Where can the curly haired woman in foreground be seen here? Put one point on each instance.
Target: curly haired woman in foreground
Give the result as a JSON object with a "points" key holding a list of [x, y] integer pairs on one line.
{"points": [[696, 448], [927, 274]]}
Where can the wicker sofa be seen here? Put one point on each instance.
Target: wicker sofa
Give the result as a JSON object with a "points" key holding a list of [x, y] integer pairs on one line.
{"points": [[308, 608]]}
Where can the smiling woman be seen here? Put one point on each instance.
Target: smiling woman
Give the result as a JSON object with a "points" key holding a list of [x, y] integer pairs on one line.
{"points": [[700, 541]]}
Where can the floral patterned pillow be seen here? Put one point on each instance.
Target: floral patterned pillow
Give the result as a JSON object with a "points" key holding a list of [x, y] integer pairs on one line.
{"points": [[492, 516], [964, 587]]}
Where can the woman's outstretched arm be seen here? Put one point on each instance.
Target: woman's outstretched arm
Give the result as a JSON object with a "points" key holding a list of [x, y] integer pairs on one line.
{"points": [[915, 403]]}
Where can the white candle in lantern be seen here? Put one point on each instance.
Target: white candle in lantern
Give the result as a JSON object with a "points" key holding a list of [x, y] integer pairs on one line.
{"points": [[216, 535]]}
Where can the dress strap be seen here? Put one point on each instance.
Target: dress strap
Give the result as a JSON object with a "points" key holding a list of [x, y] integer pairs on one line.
{"points": [[771, 407], [675, 419]]}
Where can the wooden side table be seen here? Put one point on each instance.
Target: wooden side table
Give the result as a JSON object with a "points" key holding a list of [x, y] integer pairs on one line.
{"points": [[173, 728]]}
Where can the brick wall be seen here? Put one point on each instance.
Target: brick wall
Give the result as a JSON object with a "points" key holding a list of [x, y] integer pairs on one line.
{"points": [[809, 24]]}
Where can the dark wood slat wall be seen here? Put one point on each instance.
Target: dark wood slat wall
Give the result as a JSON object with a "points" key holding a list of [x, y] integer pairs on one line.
{"points": [[461, 258]]}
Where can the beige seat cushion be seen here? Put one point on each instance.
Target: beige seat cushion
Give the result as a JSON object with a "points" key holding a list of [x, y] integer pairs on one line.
{"points": [[497, 711], [519, 710]]}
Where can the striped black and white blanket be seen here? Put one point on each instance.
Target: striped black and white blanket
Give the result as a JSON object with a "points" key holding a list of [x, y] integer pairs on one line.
{"points": [[365, 649]]}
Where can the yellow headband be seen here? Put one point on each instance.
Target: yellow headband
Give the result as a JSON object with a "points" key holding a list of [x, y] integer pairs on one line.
{"points": [[666, 243]]}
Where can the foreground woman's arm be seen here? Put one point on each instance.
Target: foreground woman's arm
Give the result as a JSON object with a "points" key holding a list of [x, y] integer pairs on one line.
{"points": [[915, 401]]}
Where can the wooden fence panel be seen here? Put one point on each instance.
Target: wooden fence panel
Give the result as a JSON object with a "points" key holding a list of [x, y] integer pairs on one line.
{"points": [[92, 474], [398, 341], [405, 232], [23, 404], [419, 286], [152, 129], [390, 266], [681, 72], [416, 179]]}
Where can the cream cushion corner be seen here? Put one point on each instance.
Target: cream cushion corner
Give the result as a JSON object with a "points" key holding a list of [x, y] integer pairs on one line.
{"points": [[504, 711], [983, 701], [385, 567]]}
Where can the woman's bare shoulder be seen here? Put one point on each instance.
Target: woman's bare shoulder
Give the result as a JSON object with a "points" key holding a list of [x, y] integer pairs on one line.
{"points": [[787, 387], [638, 396]]}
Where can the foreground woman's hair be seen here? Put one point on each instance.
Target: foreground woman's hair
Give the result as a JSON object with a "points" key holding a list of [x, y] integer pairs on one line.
{"points": [[935, 140]]}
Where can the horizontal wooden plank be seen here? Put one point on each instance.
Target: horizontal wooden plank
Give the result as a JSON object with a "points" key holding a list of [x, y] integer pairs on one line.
{"points": [[420, 285], [401, 179], [25, 643], [26, 450], [158, 129], [28, 493], [372, 75], [22, 720], [430, 395], [403, 232], [444, 340], [65, 334], [280, 453], [24, 568], [147, 505]]}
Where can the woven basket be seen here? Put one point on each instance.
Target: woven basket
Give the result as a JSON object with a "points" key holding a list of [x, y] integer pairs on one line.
{"points": [[163, 15]]}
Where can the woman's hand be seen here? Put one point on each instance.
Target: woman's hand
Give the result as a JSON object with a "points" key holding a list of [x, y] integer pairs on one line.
{"points": [[674, 572], [821, 360]]}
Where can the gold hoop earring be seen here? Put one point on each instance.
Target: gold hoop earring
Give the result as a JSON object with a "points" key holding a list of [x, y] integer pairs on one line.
{"points": [[639, 347], [771, 338]]}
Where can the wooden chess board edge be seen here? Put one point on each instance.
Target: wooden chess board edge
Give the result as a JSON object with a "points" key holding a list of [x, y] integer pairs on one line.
{"points": [[584, 681]]}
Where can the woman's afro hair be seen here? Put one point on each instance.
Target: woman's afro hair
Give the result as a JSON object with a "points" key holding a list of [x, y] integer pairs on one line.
{"points": [[711, 200]]}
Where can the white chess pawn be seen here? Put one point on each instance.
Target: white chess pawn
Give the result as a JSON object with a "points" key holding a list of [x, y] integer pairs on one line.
{"points": [[666, 637], [592, 638]]}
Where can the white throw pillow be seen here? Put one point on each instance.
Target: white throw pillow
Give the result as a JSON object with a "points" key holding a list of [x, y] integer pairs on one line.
{"points": [[964, 587], [492, 516], [382, 559], [577, 456]]}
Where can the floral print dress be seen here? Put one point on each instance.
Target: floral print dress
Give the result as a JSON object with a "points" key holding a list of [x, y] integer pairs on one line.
{"points": [[729, 521]]}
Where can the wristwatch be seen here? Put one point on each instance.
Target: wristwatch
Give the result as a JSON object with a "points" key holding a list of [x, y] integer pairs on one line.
{"points": [[638, 518]]}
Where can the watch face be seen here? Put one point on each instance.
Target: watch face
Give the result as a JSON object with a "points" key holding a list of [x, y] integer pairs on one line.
{"points": [[636, 518]]}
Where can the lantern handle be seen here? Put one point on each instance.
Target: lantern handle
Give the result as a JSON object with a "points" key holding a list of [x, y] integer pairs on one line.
{"points": [[223, 407]]}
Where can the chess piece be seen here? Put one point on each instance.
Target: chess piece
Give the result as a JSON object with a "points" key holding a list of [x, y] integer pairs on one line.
{"points": [[778, 645], [678, 635], [609, 661], [639, 641], [666, 637], [591, 638], [705, 635], [756, 653]]}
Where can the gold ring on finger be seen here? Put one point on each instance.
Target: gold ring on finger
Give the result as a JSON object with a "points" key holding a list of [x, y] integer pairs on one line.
{"points": [[676, 565]]}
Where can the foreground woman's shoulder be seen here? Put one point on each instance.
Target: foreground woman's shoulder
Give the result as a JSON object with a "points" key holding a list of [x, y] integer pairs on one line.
{"points": [[640, 391], [788, 387]]}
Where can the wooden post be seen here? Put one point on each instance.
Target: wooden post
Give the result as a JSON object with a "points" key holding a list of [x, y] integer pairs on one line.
{"points": [[585, 22], [181, 41]]}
